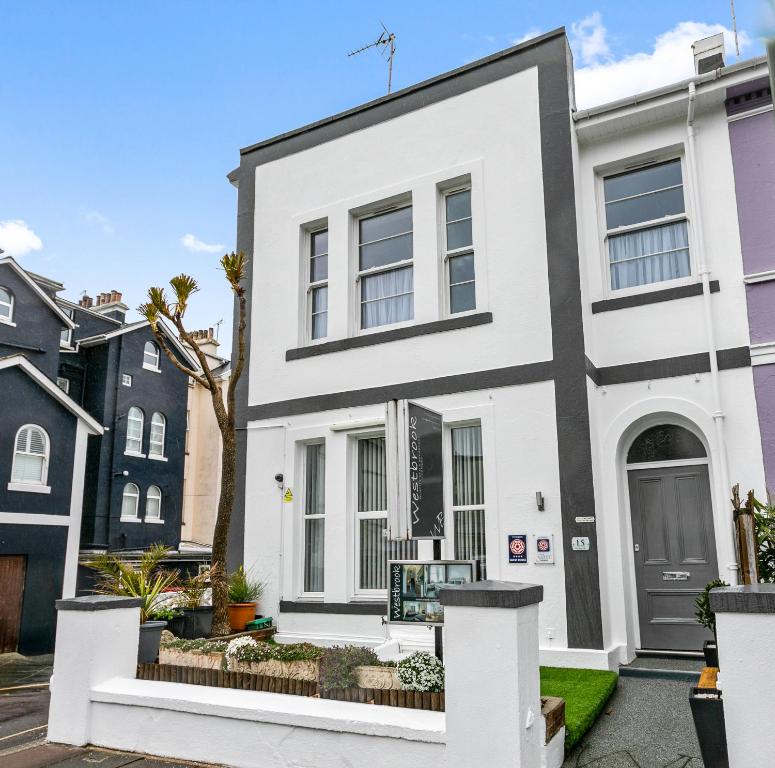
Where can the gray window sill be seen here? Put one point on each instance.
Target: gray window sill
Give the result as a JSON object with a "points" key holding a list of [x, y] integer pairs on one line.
{"points": [[394, 334], [652, 297]]}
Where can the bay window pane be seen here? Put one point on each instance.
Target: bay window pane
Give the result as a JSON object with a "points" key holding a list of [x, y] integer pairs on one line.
{"points": [[314, 523], [467, 492], [649, 255], [462, 298], [469, 538], [387, 297], [372, 487], [319, 312], [318, 268], [385, 225], [459, 235], [459, 205], [386, 251]]}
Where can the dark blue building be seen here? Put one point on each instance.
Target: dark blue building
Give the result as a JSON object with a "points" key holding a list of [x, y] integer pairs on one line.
{"points": [[114, 375]]}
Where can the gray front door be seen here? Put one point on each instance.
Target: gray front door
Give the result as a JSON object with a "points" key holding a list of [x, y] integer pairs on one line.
{"points": [[675, 552]]}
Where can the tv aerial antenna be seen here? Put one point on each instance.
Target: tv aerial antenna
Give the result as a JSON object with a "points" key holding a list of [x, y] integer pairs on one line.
{"points": [[734, 27], [386, 44]]}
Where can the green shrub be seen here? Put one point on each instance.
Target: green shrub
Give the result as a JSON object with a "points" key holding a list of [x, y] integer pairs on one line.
{"points": [[338, 663], [704, 615], [200, 644], [243, 589]]}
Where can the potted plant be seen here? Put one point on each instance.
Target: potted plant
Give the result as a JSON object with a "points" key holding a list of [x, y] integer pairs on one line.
{"points": [[195, 620], [707, 618], [147, 580], [244, 593]]}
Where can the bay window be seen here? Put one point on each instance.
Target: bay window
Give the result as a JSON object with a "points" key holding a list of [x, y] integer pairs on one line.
{"points": [[385, 270], [314, 516], [372, 549], [646, 226], [468, 508], [318, 284], [459, 251]]}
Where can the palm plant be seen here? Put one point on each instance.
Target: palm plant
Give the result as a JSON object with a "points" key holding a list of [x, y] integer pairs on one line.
{"points": [[160, 307], [148, 580]]}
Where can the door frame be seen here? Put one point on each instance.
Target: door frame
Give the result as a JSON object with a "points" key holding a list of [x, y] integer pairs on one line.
{"points": [[628, 437]]}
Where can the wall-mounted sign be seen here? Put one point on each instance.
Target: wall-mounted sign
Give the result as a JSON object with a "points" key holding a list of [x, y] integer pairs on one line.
{"points": [[580, 543], [517, 548], [544, 549], [415, 494], [413, 588], [288, 495], [585, 519]]}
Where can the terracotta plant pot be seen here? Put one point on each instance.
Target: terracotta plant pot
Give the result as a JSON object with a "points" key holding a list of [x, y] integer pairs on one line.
{"points": [[240, 614]]}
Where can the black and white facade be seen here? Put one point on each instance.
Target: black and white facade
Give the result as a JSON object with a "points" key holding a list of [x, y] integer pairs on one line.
{"points": [[44, 436], [69, 371], [465, 243]]}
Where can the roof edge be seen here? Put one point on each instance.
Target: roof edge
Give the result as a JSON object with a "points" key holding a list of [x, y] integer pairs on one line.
{"points": [[504, 54]]}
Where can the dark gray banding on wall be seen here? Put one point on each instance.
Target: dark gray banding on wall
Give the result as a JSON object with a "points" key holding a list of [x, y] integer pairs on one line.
{"points": [[574, 444], [396, 334], [351, 609], [550, 54], [668, 367], [652, 297], [444, 385]]}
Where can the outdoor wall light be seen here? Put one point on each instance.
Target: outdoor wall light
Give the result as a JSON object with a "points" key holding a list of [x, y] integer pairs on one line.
{"points": [[540, 501], [123, 473], [279, 478]]}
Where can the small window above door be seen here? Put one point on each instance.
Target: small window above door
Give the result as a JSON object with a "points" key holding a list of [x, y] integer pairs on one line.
{"points": [[666, 442]]}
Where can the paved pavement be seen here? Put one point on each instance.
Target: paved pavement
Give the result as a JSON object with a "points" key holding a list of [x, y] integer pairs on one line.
{"points": [[646, 724], [24, 699]]}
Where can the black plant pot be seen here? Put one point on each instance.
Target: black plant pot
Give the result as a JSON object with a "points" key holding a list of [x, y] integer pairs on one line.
{"points": [[708, 713], [150, 638], [710, 649]]}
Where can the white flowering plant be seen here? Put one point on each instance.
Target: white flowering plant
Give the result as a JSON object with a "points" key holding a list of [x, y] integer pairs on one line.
{"points": [[236, 647], [421, 671]]}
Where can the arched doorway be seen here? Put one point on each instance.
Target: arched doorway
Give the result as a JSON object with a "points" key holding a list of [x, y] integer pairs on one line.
{"points": [[673, 537]]}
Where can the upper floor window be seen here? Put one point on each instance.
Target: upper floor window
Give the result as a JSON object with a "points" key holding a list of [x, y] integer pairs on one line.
{"points": [[63, 384], [385, 269], [151, 356], [31, 455], [459, 251], [66, 335], [158, 428], [318, 284], [134, 430], [372, 549], [6, 305], [153, 503], [129, 502], [646, 226]]}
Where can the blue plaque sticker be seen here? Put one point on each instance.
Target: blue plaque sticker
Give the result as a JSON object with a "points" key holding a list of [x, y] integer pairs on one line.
{"points": [[517, 548]]}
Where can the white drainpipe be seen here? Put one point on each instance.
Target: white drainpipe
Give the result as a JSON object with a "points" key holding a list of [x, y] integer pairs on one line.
{"points": [[718, 413]]}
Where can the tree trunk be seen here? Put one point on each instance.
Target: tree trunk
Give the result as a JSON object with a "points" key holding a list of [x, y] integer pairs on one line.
{"points": [[219, 572]]}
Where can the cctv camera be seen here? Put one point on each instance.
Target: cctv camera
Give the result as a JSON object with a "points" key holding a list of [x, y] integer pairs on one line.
{"points": [[279, 477]]}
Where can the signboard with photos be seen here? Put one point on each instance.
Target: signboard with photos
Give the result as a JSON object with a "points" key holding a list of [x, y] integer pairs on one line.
{"points": [[415, 488], [413, 588]]}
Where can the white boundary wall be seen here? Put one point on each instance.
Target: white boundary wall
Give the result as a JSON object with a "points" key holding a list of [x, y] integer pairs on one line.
{"points": [[493, 704]]}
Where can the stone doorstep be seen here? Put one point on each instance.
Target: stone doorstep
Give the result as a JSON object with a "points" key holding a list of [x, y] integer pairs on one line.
{"points": [[553, 712]]}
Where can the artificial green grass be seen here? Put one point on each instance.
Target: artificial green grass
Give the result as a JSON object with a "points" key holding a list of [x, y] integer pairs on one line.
{"points": [[585, 691]]}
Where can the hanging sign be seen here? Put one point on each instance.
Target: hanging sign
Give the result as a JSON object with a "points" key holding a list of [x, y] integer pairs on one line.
{"points": [[415, 494], [413, 594], [544, 549], [517, 548], [288, 495]]}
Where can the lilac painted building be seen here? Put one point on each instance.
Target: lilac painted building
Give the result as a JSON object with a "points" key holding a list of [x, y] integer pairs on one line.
{"points": [[752, 139]]}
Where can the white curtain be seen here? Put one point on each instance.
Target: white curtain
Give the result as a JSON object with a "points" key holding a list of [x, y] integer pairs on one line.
{"points": [[649, 255], [387, 297], [468, 492], [375, 549], [314, 527]]}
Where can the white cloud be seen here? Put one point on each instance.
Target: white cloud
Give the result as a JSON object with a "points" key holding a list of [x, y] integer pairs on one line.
{"points": [[17, 239], [193, 243], [605, 78], [99, 220], [588, 37], [529, 35]]}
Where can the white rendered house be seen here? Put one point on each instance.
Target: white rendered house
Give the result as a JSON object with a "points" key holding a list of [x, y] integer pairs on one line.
{"points": [[447, 244]]}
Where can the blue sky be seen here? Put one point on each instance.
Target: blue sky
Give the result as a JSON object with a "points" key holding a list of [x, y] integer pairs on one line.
{"points": [[120, 120]]}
